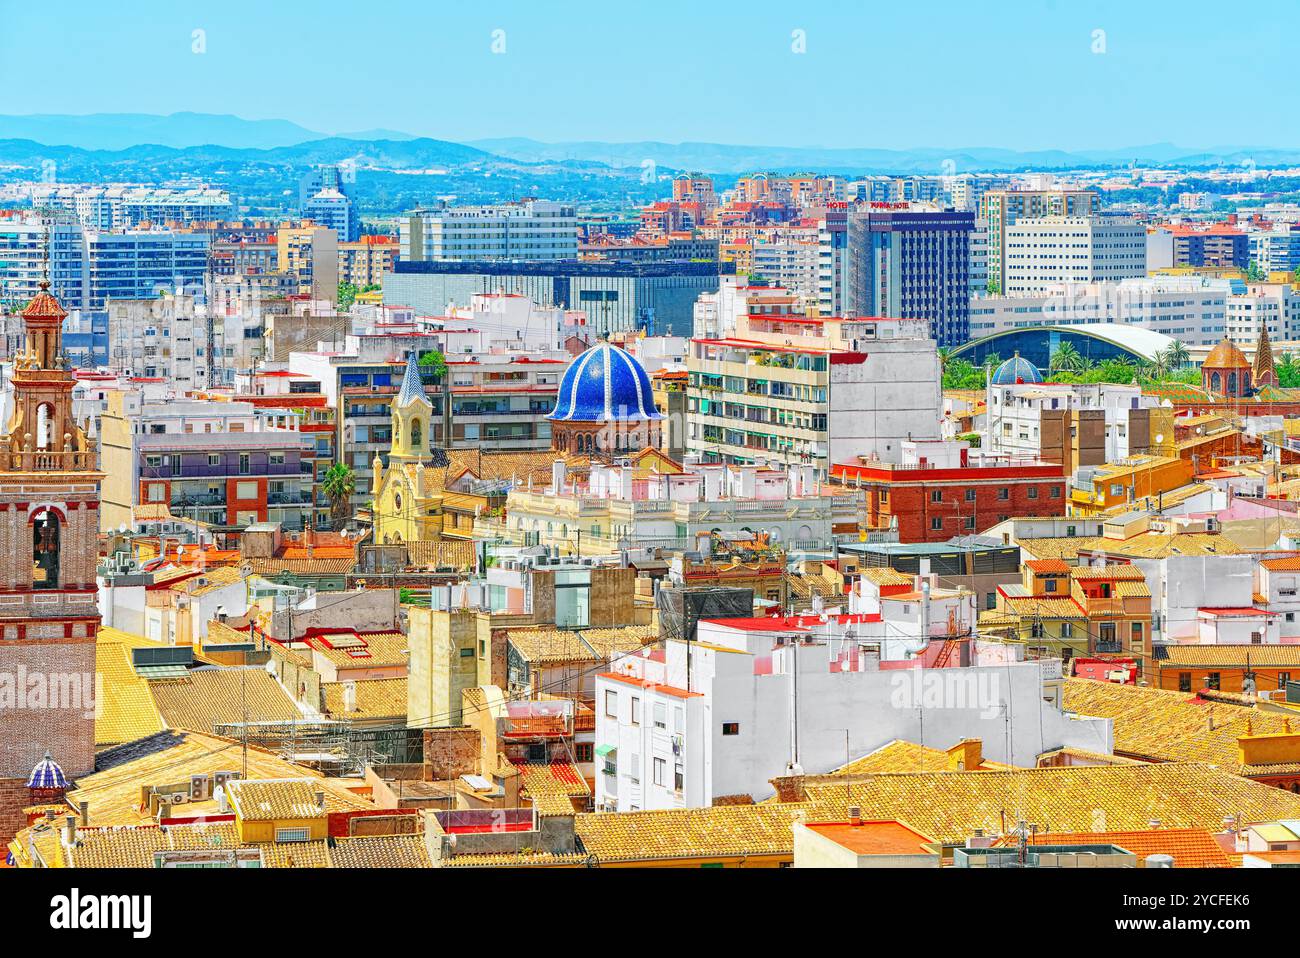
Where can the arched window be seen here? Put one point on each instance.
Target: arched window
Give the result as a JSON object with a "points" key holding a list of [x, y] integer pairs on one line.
{"points": [[1216, 384], [416, 434], [1232, 384], [45, 426], [45, 551]]}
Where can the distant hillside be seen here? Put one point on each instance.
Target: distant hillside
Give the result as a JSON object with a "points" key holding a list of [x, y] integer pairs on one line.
{"points": [[118, 131], [730, 159]]}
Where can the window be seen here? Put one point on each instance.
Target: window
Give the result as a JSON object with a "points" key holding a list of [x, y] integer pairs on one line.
{"points": [[214, 459], [1135, 635], [245, 463], [636, 710], [1036, 630], [1213, 680], [1033, 492], [1049, 585], [661, 715], [679, 778], [1056, 492], [970, 495], [1004, 493], [1067, 630], [292, 834], [990, 600], [583, 752], [730, 728], [277, 459], [1282, 679], [611, 705], [660, 770], [1184, 681], [936, 495], [936, 523], [679, 719], [537, 753]]}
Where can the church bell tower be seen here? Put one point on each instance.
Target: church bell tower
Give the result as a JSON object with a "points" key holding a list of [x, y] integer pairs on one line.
{"points": [[49, 526]]}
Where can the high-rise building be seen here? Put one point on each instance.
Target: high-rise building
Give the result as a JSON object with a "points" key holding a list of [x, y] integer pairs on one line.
{"points": [[311, 253], [1044, 251], [531, 230], [49, 528], [1001, 209], [913, 263]]}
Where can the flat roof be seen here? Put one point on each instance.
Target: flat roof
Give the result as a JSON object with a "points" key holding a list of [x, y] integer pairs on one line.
{"points": [[887, 837]]}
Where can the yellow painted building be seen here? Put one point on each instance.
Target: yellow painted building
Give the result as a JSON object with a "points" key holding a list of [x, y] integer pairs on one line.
{"points": [[407, 509], [1121, 486]]}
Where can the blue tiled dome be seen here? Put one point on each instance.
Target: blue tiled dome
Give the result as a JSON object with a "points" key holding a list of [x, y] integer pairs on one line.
{"points": [[1016, 370], [605, 384], [47, 774]]}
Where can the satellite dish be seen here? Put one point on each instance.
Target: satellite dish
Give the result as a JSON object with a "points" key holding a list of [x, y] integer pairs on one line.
{"points": [[1160, 438]]}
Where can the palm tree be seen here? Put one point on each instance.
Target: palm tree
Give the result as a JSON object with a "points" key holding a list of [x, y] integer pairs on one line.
{"points": [[1066, 358], [1177, 355], [339, 484], [1158, 367]]}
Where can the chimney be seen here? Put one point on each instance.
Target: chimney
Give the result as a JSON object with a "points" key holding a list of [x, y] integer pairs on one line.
{"points": [[50, 815], [349, 697], [855, 815], [320, 801], [70, 830], [84, 807], [164, 810]]}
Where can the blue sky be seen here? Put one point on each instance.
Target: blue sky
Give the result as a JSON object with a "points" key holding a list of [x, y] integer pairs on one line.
{"points": [[1019, 74]]}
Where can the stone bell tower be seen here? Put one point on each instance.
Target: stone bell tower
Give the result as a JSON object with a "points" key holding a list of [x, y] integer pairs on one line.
{"points": [[49, 526]]}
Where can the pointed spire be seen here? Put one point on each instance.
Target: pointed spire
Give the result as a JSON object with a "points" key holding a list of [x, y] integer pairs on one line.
{"points": [[1264, 373], [412, 387]]}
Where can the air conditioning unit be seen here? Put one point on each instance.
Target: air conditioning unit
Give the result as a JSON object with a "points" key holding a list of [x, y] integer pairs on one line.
{"points": [[219, 779], [179, 798], [200, 788]]}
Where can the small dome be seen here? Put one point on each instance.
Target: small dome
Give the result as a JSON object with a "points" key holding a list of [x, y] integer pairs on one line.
{"points": [[1226, 356], [1016, 370], [605, 384], [47, 774]]}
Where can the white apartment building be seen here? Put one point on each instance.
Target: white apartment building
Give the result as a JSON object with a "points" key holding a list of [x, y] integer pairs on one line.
{"points": [[1191, 309], [619, 506], [767, 697], [1046, 251], [778, 386], [118, 207], [1272, 305], [718, 314], [979, 261], [166, 338], [1014, 416], [532, 230], [792, 265]]}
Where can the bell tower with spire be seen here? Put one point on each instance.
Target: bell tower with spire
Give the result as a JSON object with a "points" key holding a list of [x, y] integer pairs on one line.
{"points": [[49, 526]]}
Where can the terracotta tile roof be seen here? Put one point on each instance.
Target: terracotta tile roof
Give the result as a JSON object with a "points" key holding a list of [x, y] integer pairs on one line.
{"points": [[209, 581], [1044, 606], [608, 643], [113, 790], [551, 647], [303, 567], [1107, 573], [126, 709], [1189, 847], [348, 649], [729, 831], [901, 756], [375, 698], [268, 800], [1165, 726], [219, 695], [951, 805], [521, 859], [1049, 566], [1228, 656], [552, 778], [380, 851], [441, 553]]}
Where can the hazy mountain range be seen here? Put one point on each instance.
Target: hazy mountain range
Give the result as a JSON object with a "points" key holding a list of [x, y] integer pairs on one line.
{"points": [[208, 135]]}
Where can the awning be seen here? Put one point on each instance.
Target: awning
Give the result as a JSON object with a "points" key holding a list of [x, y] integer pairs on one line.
{"points": [[603, 750]]}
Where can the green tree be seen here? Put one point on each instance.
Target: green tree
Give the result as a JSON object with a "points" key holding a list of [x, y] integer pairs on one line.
{"points": [[1067, 358], [338, 486], [1177, 355], [347, 296], [434, 362], [1254, 274]]}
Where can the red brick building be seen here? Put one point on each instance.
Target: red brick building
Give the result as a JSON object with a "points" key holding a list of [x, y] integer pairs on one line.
{"points": [[934, 504]]}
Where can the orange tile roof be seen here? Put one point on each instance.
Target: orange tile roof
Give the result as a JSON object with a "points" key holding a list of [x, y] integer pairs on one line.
{"points": [[1189, 847], [1049, 565]]}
